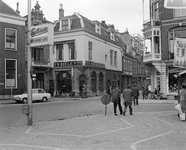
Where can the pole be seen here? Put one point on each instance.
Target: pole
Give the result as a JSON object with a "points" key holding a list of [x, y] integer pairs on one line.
{"points": [[29, 80]]}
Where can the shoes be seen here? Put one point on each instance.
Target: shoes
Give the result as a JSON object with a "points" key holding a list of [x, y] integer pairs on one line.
{"points": [[115, 114], [131, 113], [124, 113]]}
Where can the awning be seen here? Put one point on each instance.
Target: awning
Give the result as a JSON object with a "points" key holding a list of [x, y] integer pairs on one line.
{"points": [[183, 72], [176, 70]]}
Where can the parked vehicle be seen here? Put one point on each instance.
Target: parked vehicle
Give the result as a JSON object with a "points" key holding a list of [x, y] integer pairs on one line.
{"points": [[37, 95]]}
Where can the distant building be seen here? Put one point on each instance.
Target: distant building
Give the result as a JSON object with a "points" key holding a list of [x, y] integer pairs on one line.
{"points": [[12, 50]]}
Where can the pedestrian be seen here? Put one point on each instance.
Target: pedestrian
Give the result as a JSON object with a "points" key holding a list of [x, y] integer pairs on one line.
{"points": [[143, 93], [135, 93], [128, 96], [181, 104], [109, 91], [115, 98], [84, 91]]}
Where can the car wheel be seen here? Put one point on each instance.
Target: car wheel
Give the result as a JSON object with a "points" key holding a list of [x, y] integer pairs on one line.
{"points": [[44, 99], [24, 100]]}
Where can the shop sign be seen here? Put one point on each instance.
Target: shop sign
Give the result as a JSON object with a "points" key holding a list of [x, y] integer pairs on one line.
{"points": [[127, 73], [175, 4], [67, 63], [42, 35], [94, 64], [180, 52]]}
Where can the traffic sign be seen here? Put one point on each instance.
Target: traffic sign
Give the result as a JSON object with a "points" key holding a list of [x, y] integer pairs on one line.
{"points": [[105, 99]]}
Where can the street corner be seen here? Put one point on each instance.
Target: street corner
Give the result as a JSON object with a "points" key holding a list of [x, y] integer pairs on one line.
{"points": [[81, 126]]}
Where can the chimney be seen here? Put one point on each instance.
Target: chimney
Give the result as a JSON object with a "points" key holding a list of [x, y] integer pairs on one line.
{"points": [[17, 9], [61, 12]]}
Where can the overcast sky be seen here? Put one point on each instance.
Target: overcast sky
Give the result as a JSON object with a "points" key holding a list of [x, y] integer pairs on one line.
{"points": [[122, 13]]}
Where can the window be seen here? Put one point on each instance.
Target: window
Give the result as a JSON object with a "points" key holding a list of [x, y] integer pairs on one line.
{"points": [[90, 50], [156, 11], [72, 51], [93, 82], [38, 53], [101, 88], [115, 58], [59, 52], [111, 57], [179, 13], [11, 70], [65, 24], [11, 39]]}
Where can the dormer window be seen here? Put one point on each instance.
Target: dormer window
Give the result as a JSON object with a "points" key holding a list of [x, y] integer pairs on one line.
{"points": [[97, 28], [112, 36], [65, 24]]}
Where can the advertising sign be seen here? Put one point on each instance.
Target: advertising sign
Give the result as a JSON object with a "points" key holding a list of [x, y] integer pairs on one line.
{"points": [[175, 4], [180, 52], [42, 35]]}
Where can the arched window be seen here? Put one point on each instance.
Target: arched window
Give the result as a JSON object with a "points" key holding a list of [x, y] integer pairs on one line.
{"points": [[101, 82], [93, 81], [114, 81]]}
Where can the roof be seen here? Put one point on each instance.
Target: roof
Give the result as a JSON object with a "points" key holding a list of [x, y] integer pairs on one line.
{"points": [[6, 9]]}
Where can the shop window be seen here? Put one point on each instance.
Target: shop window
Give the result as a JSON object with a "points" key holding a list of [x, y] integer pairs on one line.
{"points": [[10, 73], [101, 82], [108, 81], [114, 80], [93, 81], [11, 39]]}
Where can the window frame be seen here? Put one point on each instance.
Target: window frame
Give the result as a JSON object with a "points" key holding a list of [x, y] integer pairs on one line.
{"points": [[15, 47], [6, 82], [64, 24], [57, 52], [90, 45]]}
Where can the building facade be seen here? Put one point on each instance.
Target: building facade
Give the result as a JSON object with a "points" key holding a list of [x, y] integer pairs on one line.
{"points": [[86, 53], [12, 51], [164, 27]]}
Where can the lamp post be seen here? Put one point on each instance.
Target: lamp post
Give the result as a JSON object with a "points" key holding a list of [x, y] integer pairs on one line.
{"points": [[29, 80]]}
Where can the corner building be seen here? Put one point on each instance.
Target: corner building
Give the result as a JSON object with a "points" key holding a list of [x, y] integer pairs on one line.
{"points": [[85, 52]]}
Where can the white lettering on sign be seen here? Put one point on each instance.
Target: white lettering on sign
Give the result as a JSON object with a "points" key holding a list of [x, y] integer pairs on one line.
{"points": [[39, 31]]}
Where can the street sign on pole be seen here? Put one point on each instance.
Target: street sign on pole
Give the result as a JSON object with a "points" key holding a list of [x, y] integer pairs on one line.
{"points": [[105, 99], [175, 4]]}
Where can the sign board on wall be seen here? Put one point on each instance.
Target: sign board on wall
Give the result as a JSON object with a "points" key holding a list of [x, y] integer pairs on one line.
{"points": [[175, 4], [180, 52], [42, 35]]}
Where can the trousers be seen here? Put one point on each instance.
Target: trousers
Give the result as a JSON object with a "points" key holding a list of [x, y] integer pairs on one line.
{"points": [[119, 105]]}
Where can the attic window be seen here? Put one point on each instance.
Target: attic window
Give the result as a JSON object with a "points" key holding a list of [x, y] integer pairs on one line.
{"points": [[65, 24]]}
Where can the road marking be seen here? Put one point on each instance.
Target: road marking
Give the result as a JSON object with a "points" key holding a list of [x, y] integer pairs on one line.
{"points": [[32, 146], [133, 146], [126, 122], [28, 130], [162, 121]]}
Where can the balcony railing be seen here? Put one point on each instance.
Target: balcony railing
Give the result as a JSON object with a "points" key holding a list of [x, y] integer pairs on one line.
{"points": [[151, 22], [151, 57]]}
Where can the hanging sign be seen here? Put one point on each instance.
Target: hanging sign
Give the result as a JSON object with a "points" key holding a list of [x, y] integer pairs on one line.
{"points": [[180, 52]]}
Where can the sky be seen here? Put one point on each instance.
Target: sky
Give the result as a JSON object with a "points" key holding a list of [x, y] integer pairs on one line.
{"points": [[121, 13]]}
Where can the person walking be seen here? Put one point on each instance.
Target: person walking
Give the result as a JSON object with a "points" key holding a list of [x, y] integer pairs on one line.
{"points": [[135, 93], [115, 98], [128, 96], [181, 104]]}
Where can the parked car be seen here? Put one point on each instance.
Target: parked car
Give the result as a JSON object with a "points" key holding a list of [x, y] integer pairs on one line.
{"points": [[37, 95]]}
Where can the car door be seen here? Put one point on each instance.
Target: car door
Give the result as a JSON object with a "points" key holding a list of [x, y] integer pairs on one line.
{"points": [[41, 93], [34, 94]]}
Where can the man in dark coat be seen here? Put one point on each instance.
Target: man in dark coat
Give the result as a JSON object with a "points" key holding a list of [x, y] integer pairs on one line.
{"points": [[128, 96], [115, 98], [136, 94]]}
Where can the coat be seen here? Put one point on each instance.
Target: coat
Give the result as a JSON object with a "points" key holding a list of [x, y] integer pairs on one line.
{"points": [[183, 98], [128, 96], [115, 95], [135, 91]]}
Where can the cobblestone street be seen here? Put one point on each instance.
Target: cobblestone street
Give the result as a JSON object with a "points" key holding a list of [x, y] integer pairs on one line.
{"points": [[142, 131]]}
